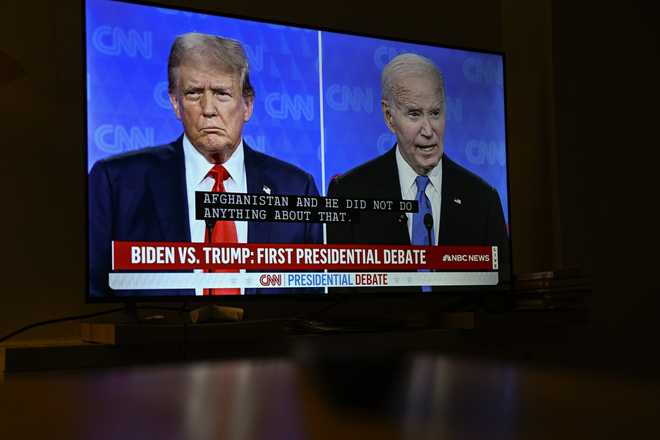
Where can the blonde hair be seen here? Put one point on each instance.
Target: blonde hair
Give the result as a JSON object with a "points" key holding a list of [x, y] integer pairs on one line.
{"points": [[227, 54]]}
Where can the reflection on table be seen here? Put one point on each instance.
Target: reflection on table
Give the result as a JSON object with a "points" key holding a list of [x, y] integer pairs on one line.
{"points": [[416, 396]]}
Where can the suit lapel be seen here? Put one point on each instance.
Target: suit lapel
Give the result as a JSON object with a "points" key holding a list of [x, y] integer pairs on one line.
{"points": [[391, 189], [258, 182], [450, 206], [167, 183]]}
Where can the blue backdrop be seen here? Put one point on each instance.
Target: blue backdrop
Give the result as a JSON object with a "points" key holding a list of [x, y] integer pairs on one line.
{"points": [[323, 133]]}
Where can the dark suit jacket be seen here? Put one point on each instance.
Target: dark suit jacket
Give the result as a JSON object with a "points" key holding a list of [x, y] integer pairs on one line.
{"points": [[141, 196], [477, 220]]}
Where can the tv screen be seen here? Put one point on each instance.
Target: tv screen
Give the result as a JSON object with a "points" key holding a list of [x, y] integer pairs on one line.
{"points": [[232, 156]]}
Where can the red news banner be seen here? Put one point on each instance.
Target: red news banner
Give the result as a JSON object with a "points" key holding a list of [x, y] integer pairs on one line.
{"points": [[177, 256]]}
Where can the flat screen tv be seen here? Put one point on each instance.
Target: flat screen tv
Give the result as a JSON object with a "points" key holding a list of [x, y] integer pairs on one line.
{"points": [[232, 157]]}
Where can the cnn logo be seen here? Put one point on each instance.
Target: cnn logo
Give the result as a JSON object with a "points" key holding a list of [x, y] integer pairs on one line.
{"points": [[270, 280]]}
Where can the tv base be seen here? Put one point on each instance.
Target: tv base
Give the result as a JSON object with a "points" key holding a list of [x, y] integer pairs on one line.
{"points": [[214, 313]]}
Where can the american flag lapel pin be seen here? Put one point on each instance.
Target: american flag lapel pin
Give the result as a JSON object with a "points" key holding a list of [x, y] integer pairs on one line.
{"points": [[458, 201]]}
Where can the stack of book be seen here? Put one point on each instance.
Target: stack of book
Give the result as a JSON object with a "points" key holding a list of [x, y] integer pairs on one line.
{"points": [[550, 290]]}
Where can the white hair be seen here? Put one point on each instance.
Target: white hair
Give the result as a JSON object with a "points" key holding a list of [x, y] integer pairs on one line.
{"points": [[402, 66], [225, 53]]}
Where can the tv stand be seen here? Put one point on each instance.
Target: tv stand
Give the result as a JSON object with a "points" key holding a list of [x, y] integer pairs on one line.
{"points": [[166, 325]]}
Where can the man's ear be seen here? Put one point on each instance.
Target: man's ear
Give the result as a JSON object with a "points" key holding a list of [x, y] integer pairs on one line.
{"points": [[249, 107], [387, 114], [175, 104]]}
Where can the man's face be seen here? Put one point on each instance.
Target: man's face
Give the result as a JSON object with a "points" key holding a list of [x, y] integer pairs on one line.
{"points": [[417, 119], [212, 108]]}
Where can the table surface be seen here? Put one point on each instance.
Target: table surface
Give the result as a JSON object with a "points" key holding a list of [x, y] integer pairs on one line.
{"points": [[318, 393]]}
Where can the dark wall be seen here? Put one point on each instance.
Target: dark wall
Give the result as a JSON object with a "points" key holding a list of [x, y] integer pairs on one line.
{"points": [[606, 65], [533, 167], [42, 168]]}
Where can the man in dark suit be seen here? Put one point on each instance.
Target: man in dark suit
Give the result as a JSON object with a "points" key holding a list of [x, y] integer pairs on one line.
{"points": [[465, 210], [148, 195]]}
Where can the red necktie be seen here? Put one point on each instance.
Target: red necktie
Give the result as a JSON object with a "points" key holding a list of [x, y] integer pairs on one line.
{"points": [[224, 231]]}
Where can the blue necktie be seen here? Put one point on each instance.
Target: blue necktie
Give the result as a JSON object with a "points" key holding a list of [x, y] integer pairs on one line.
{"points": [[420, 235]]}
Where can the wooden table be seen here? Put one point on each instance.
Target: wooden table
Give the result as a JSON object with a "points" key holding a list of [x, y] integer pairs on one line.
{"points": [[319, 391]]}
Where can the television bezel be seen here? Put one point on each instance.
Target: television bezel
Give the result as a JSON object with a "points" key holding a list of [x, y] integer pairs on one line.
{"points": [[382, 292]]}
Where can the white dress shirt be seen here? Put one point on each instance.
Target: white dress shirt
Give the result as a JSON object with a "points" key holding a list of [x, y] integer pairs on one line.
{"points": [[433, 191], [197, 179]]}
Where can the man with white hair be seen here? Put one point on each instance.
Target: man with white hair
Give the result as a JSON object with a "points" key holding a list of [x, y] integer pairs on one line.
{"points": [[456, 207]]}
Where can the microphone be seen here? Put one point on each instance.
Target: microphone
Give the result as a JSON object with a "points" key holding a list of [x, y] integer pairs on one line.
{"points": [[428, 222]]}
